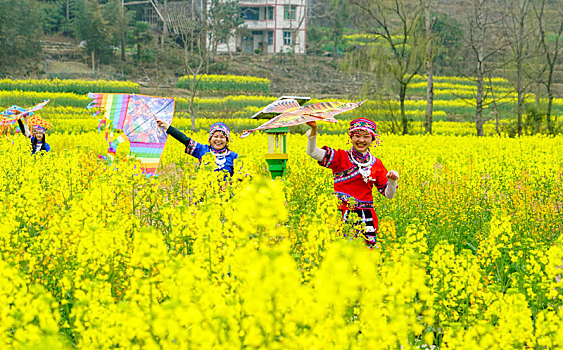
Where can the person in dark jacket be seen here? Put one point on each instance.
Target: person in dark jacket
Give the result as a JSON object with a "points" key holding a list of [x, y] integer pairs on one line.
{"points": [[218, 145], [38, 142]]}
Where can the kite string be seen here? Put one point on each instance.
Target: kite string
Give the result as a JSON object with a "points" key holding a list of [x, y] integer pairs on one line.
{"points": [[158, 131]]}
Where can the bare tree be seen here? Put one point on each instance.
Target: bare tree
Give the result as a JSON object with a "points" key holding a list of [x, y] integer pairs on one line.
{"points": [[550, 49], [186, 21], [223, 18], [296, 23], [164, 24], [394, 22], [482, 27], [517, 34], [193, 23]]}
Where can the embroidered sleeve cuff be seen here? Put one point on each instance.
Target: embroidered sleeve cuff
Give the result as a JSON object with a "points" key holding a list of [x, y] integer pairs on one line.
{"points": [[328, 158], [191, 147]]}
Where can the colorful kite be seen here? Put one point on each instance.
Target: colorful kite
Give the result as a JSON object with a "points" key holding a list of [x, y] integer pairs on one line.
{"points": [[37, 120], [291, 113], [136, 116], [11, 115]]}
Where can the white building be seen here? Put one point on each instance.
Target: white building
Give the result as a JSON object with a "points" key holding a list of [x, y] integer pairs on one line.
{"points": [[273, 26]]}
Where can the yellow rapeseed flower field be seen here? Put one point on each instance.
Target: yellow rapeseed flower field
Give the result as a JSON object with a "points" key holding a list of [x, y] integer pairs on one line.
{"points": [[225, 83], [96, 255]]}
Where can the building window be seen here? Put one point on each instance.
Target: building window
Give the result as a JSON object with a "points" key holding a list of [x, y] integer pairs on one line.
{"points": [[270, 38], [287, 38], [250, 13], [270, 10], [289, 12]]}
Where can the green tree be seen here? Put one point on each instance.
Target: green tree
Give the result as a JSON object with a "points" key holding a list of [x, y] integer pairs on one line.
{"points": [[57, 16], [52, 16], [20, 38], [120, 18], [91, 26], [447, 37], [141, 36]]}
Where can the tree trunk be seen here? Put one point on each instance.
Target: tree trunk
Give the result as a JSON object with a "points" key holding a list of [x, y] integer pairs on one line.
{"points": [[429, 101], [122, 32], [193, 89], [550, 127], [192, 112], [186, 61], [164, 25], [93, 56], [402, 96], [538, 108], [479, 100], [122, 48], [520, 99], [520, 91], [519, 113], [335, 46], [429, 72], [497, 126]]}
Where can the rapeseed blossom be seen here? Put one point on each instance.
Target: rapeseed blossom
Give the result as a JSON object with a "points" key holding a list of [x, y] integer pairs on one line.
{"points": [[94, 254]]}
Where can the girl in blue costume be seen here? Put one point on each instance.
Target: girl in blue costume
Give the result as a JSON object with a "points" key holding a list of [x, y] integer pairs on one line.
{"points": [[38, 142], [218, 145]]}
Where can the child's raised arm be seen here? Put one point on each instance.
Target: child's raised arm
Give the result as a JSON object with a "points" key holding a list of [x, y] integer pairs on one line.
{"points": [[23, 128], [312, 150], [175, 133]]}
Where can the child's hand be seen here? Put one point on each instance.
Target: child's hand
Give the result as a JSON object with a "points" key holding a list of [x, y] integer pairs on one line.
{"points": [[393, 175], [313, 130], [162, 124]]}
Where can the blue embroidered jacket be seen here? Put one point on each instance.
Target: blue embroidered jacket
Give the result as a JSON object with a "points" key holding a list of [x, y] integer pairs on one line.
{"points": [[224, 159]]}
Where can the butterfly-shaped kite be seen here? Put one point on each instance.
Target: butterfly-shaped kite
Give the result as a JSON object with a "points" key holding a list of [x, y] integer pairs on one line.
{"points": [[291, 113], [11, 115], [136, 115]]}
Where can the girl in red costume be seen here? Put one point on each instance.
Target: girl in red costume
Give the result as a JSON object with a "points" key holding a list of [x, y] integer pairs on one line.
{"points": [[356, 172]]}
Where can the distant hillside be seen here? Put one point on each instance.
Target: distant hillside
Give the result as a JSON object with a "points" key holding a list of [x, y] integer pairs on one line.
{"points": [[297, 75]]}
